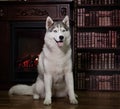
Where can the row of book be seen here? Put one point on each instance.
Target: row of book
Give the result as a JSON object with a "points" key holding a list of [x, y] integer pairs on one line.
{"points": [[97, 2], [105, 61], [98, 82], [88, 17], [101, 39]]}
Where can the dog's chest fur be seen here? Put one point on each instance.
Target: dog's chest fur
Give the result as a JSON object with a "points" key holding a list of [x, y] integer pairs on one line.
{"points": [[56, 63], [58, 67]]}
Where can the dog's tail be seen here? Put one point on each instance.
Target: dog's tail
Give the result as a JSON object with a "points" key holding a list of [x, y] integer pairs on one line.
{"points": [[21, 89]]}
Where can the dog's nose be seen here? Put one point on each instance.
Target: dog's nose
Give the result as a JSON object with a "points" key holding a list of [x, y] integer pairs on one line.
{"points": [[61, 37]]}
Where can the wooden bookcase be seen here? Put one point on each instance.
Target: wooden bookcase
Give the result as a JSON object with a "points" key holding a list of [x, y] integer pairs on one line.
{"points": [[97, 45]]}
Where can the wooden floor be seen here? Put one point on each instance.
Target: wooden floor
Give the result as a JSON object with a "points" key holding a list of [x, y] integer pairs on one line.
{"points": [[87, 100]]}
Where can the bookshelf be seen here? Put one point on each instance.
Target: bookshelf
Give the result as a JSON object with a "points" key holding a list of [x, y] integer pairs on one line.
{"points": [[97, 45]]}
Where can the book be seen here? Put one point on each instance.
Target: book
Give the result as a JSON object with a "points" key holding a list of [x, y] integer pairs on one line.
{"points": [[94, 39]]}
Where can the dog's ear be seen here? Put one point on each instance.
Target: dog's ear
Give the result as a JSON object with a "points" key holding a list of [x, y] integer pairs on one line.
{"points": [[66, 21], [49, 22]]}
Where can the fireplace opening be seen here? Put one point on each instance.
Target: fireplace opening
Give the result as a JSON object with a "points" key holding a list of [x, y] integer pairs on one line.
{"points": [[27, 42]]}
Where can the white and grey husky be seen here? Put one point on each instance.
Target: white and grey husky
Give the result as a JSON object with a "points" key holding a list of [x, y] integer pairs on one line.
{"points": [[55, 76]]}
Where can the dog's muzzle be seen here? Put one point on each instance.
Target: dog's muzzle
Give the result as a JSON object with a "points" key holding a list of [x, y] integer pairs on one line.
{"points": [[60, 42]]}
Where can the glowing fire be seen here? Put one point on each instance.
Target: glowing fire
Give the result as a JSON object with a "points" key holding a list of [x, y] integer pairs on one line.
{"points": [[27, 62]]}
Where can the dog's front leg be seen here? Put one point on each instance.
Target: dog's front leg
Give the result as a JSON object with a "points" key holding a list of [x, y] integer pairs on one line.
{"points": [[70, 86], [48, 87]]}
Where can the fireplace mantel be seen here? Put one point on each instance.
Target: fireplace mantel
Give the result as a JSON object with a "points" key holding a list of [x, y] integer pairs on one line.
{"points": [[34, 10], [25, 11]]}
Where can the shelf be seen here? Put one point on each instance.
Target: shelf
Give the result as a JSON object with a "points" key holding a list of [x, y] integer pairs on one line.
{"points": [[99, 50], [98, 27], [99, 71], [99, 5]]}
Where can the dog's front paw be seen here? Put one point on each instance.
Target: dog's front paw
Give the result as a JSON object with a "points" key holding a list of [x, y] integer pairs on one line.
{"points": [[73, 101], [36, 96], [47, 101]]}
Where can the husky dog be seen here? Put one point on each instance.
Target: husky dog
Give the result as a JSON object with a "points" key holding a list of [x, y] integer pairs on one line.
{"points": [[55, 76]]}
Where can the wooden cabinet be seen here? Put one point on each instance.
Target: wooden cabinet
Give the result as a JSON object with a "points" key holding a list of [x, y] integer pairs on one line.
{"points": [[24, 11]]}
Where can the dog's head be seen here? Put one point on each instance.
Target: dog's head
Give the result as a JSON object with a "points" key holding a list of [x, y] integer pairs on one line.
{"points": [[58, 31]]}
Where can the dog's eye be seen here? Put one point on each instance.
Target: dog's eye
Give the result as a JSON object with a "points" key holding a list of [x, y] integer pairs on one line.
{"points": [[55, 31], [63, 30]]}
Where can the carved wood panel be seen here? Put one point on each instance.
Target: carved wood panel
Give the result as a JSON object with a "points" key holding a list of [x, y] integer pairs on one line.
{"points": [[34, 12]]}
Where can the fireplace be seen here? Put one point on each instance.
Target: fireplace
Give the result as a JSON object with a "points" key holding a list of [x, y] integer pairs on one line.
{"points": [[27, 40], [22, 28]]}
